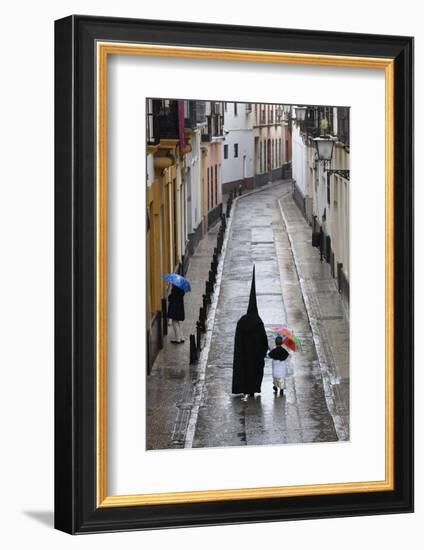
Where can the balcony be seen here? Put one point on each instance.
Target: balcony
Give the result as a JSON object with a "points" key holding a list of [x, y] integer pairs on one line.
{"points": [[343, 125], [194, 113], [162, 120], [214, 128], [318, 121], [322, 121]]}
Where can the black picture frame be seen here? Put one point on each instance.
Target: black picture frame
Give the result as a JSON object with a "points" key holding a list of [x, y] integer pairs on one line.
{"points": [[76, 510]]}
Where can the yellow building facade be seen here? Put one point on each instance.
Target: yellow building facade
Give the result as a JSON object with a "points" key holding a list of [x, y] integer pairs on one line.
{"points": [[180, 202]]}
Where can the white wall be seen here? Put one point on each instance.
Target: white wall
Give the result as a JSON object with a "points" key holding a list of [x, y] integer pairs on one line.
{"points": [[299, 160], [240, 131], [26, 277], [193, 163]]}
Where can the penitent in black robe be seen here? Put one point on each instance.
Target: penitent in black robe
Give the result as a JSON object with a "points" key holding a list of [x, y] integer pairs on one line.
{"points": [[250, 349]]}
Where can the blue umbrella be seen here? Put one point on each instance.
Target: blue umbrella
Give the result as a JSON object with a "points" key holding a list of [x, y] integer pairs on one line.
{"points": [[178, 280]]}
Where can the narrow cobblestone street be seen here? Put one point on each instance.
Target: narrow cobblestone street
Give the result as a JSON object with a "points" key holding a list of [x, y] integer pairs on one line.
{"points": [[192, 406]]}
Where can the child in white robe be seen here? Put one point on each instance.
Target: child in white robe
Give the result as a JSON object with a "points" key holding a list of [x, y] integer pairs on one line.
{"points": [[279, 356]]}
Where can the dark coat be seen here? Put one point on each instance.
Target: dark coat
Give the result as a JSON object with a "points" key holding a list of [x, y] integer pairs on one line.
{"points": [[176, 304], [250, 349], [278, 353]]}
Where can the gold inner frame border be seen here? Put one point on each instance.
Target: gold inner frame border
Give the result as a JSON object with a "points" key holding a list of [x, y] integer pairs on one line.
{"points": [[103, 50]]}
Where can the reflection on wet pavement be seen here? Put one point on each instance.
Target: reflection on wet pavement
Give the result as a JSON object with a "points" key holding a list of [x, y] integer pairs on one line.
{"points": [[315, 399], [301, 415]]}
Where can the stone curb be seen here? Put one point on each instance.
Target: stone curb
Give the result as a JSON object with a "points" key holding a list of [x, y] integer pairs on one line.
{"points": [[204, 354], [339, 424]]}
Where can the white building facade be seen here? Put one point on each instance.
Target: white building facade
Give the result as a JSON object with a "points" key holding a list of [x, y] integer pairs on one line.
{"points": [[237, 148], [272, 142], [321, 189]]}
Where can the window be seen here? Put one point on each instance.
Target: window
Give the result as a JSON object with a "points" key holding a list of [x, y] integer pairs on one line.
{"points": [[235, 150], [216, 184], [235, 109], [328, 189], [186, 109], [260, 158], [209, 203], [336, 191], [225, 151]]}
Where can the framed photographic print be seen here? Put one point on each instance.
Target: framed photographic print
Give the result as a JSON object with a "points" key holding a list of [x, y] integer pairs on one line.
{"points": [[234, 274]]}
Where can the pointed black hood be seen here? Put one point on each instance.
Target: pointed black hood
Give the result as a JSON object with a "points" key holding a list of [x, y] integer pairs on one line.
{"points": [[253, 306]]}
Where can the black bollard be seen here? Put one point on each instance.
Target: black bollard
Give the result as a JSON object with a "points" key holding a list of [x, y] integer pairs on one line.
{"points": [[193, 350], [202, 319], [209, 291], [198, 336]]}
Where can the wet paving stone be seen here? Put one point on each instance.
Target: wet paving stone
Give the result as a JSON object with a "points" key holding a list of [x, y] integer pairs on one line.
{"points": [[301, 415], [307, 412]]}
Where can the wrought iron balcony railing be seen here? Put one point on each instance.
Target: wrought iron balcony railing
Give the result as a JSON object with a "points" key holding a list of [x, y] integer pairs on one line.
{"points": [[162, 120], [322, 120], [194, 113], [214, 128]]}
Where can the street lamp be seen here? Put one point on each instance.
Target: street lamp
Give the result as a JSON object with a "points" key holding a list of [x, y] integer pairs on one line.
{"points": [[324, 146], [300, 113], [279, 112]]}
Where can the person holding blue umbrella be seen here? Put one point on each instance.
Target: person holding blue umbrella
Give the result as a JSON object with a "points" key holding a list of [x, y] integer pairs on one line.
{"points": [[180, 285]]}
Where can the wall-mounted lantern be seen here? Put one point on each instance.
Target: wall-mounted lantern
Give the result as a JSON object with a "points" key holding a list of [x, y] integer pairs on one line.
{"points": [[300, 114], [324, 146]]}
